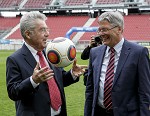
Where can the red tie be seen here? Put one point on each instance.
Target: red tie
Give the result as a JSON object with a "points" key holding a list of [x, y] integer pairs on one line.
{"points": [[109, 80], [53, 88]]}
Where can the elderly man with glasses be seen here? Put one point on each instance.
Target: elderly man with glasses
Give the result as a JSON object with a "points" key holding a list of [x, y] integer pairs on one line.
{"points": [[118, 74]]}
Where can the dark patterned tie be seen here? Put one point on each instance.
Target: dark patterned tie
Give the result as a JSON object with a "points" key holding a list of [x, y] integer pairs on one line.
{"points": [[53, 88], [109, 80]]}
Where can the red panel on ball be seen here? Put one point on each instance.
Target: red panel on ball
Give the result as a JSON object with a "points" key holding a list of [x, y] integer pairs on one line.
{"points": [[53, 57], [71, 52]]}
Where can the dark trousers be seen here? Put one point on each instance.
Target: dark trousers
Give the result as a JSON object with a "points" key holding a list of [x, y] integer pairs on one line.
{"points": [[99, 111]]}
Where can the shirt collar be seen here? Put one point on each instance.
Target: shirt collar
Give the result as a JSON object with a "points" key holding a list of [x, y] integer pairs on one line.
{"points": [[32, 50], [117, 47]]}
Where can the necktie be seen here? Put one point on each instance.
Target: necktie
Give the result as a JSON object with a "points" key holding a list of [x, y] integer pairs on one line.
{"points": [[53, 88], [109, 80]]}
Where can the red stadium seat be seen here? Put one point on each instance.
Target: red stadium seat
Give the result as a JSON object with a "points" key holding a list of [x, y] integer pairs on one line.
{"points": [[136, 26], [36, 3], [9, 3]]}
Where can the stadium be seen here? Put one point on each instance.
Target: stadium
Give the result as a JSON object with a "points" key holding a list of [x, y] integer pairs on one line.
{"points": [[74, 19], [66, 15]]}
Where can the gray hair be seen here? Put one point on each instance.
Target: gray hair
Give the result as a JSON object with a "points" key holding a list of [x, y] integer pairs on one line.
{"points": [[115, 18], [27, 21]]}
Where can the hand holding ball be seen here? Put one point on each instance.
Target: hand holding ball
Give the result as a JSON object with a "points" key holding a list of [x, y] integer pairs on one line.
{"points": [[61, 52]]}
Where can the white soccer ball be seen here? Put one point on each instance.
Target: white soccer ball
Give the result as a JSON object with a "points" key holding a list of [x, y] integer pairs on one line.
{"points": [[61, 52]]}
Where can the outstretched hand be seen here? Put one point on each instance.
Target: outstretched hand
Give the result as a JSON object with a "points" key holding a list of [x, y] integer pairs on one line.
{"points": [[42, 74], [77, 69]]}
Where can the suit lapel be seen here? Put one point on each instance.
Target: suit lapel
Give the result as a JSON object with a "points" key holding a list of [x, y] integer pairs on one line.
{"points": [[28, 56], [123, 57], [99, 62]]}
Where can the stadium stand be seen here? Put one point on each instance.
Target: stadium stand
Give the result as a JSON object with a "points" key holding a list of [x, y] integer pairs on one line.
{"points": [[37, 3], [58, 25], [108, 1], [9, 3], [61, 17], [86, 36], [6, 24], [136, 27], [77, 2]]}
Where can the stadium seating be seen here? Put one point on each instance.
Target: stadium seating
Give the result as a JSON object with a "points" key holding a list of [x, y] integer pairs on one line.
{"points": [[108, 1], [37, 3], [87, 35], [7, 24], [136, 27], [77, 2], [9, 3], [59, 26]]}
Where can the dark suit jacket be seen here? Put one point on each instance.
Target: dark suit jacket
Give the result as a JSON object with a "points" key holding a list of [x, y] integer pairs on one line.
{"points": [[31, 101], [131, 86], [85, 53]]}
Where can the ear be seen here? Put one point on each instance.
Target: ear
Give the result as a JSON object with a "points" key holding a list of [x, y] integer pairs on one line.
{"points": [[27, 34], [120, 30]]}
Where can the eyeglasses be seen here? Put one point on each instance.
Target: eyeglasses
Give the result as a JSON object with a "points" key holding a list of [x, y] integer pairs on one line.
{"points": [[44, 30], [105, 30]]}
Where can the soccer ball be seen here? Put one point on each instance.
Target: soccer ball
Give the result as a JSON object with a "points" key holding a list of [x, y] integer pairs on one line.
{"points": [[60, 52]]}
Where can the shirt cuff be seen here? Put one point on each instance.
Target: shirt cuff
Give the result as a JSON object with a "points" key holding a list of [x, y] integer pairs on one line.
{"points": [[33, 83], [73, 76]]}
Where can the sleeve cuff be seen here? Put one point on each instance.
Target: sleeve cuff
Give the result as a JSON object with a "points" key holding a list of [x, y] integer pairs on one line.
{"points": [[33, 83], [73, 76]]}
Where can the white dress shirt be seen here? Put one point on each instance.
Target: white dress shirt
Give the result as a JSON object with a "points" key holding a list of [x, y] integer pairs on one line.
{"points": [[118, 49], [34, 53]]}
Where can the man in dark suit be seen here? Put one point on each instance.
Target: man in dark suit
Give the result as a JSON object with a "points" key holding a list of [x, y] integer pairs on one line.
{"points": [[27, 79], [127, 90]]}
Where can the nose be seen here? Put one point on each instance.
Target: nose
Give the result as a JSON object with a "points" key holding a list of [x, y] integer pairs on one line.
{"points": [[100, 33], [46, 33]]}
